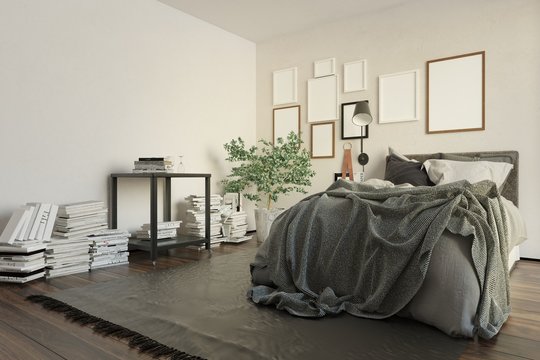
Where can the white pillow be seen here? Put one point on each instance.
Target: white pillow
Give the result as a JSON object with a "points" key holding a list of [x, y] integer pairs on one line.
{"points": [[447, 171]]}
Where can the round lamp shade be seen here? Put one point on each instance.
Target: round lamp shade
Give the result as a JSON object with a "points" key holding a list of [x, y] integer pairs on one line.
{"points": [[362, 115]]}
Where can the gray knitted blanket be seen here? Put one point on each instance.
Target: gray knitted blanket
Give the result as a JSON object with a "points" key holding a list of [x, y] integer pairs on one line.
{"points": [[365, 251]]}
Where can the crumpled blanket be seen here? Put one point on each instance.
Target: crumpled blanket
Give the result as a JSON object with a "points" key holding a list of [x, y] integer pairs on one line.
{"points": [[365, 251]]}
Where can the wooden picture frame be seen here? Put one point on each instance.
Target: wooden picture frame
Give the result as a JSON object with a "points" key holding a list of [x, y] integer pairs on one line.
{"points": [[355, 76], [285, 120], [455, 93], [323, 143], [322, 99], [399, 95], [324, 67], [285, 86], [348, 129]]}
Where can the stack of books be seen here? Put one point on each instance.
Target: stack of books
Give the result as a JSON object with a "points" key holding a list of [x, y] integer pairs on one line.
{"points": [[195, 218], [19, 264], [108, 248], [68, 250], [235, 227], [166, 229], [29, 224], [152, 164]]}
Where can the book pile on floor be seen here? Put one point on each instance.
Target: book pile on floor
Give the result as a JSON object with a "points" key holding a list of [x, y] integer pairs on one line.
{"points": [[68, 250], [21, 242], [166, 229], [195, 219], [19, 264], [152, 164], [108, 248], [235, 226]]}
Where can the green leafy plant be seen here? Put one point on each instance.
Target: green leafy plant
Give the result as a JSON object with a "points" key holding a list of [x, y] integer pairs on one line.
{"points": [[268, 170]]}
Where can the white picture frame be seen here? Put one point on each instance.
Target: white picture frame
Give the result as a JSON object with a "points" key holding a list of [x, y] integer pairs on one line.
{"points": [[324, 67], [322, 99], [355, 76], [399, 95], [285, 120], [323, 137], [285, 86], [455, 93]]}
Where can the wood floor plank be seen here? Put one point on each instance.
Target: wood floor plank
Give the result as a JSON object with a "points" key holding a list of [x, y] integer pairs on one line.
{"points": [[15, 346]]}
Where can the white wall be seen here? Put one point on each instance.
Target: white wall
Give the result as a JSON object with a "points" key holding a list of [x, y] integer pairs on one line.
{"points": [[88, 86], [404, 38]]}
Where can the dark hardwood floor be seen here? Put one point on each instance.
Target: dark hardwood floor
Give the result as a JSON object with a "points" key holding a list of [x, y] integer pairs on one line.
{"points": [[29, 332]]}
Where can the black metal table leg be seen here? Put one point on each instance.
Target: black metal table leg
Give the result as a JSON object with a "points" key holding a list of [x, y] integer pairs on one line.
{"points": [[114, 202], [207, 212], [153, 219]]}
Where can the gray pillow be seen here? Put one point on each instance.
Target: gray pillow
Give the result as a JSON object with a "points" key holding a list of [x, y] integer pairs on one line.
{"points": [[399, 171]]}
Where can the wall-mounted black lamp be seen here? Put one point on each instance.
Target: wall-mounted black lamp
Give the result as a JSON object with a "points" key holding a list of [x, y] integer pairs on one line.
{"points": [[362, 117]]}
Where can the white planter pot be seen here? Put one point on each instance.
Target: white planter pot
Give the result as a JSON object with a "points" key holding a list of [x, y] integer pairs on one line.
{"points": [[263, 221]]}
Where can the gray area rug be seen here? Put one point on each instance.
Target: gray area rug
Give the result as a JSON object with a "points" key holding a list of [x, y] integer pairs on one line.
{"points": [[202, 309]]}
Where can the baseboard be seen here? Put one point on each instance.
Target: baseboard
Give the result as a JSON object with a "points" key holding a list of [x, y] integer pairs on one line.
{"points": [[529, 259]]}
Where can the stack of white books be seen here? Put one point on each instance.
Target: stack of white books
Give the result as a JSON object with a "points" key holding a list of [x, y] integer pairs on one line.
{"points": [[68, 250], [108, 248], [195, 217], [30, 223], [19, 264], [235, 226], [166, 230]]}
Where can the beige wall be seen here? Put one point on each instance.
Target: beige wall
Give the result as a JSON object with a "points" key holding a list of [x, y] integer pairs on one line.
{"points": [[404, 38], [88, 86]]}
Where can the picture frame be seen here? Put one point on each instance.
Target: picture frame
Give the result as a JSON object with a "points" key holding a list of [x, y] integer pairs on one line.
{"points": [[285, 86], [285, 120], [322, 99], [324, 67], [455, 93], [323, 140], [399, 97], [355, 76], [348, 129], [358, 176]]}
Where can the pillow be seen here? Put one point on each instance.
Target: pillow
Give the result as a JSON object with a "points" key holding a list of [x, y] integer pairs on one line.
{"points": [[398, 155], [399, 171], [447, 171]]}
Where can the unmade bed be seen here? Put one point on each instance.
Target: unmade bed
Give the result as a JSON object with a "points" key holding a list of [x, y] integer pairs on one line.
{"points": [[436, 254]]}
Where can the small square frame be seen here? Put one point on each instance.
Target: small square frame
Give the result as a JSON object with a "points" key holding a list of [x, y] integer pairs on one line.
{"points": [[285, 88], [324, 67], [355, 76], [323, 137]]}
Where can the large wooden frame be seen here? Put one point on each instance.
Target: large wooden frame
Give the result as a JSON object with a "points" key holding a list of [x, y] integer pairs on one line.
{"points": [[456, 93]]}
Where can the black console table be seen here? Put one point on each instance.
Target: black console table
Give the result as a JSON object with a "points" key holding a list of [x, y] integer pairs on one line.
{"points": [[154, 245]]}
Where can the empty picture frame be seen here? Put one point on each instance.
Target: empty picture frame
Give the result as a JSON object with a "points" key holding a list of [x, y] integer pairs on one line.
{"points": [[456, 93], [348, 129], [285, 86], [324, 67], [399, 97], [355, 76], [286, 119], [322, 99], [323, 140]]}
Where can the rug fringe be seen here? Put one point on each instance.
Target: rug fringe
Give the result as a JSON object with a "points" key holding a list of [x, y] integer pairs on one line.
{"points": [[103, 327]]}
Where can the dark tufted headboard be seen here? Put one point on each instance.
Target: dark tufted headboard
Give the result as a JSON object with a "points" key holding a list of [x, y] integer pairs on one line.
{"points": [[511, 186]]}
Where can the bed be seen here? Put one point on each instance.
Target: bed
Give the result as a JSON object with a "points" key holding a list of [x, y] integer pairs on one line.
{"points": [[436, 254]]}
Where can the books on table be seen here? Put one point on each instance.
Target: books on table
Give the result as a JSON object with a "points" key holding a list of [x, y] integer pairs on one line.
{"points": [[166, 230]]}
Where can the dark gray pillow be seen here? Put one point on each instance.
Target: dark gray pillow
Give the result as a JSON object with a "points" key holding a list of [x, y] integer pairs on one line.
{"points": [[399, 171]]}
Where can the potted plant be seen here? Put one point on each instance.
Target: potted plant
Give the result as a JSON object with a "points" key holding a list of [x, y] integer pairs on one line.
{"points": [[264, 173]]}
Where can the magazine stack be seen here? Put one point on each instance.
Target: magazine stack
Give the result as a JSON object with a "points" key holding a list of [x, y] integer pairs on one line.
{"points": [[20, 263], [153, 164], [68, 250], [108, 248], [235, 227], [166, 230], [21, 242], [195, 218]]}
